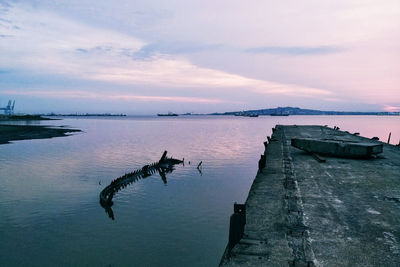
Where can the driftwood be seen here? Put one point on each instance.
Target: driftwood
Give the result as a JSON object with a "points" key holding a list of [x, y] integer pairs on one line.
{"points": [[163, 166]]}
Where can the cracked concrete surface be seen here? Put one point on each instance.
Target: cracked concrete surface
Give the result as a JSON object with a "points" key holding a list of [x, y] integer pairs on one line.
{"points": [[301, 212]]}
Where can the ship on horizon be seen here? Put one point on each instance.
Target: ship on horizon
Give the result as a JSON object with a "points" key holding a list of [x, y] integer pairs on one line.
{"points": [[168, 114]]}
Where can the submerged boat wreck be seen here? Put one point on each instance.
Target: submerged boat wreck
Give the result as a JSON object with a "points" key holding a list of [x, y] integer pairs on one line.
{"points": [[163, 166]]}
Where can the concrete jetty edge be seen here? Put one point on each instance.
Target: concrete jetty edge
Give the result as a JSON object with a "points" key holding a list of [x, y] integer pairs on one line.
{"points": [[304, 212]]}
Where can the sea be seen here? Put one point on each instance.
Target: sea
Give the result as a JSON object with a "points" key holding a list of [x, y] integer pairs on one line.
{"points": [[50, 213]]}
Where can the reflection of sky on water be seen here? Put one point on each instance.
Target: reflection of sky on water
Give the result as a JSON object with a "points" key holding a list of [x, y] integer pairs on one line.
{"points": [[49, 188]]}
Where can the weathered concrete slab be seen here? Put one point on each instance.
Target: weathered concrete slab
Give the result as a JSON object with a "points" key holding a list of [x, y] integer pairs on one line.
{"points": [[338, 148], [300, 212]]}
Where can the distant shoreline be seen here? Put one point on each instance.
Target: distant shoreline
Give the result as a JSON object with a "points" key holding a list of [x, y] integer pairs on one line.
{"points": [[23, 118], [84, 115], [309, 112], [324, 114]]}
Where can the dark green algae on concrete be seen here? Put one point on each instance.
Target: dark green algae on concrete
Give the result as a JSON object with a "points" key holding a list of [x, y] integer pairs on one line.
{"points": [[301, 212]]}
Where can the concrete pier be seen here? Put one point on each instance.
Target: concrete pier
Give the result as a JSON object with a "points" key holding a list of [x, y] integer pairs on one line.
{"points": [[305, 212]]}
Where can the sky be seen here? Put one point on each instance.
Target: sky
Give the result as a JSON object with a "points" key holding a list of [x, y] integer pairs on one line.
{"points": [[152, 56]]}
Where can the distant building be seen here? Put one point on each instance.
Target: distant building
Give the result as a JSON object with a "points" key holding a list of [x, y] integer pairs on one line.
{"points": [[9, 109]]}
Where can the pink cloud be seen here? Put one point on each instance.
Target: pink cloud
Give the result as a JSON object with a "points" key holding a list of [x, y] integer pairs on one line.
{"points": [[112, 96], [391, 109]]}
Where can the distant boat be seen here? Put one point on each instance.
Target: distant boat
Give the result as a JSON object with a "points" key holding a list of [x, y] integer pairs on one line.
{"points": [[277, 114], [168, 114], [243, 114]]}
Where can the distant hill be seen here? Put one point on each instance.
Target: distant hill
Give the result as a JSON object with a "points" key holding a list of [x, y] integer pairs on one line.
{"points": [[300, 111]]}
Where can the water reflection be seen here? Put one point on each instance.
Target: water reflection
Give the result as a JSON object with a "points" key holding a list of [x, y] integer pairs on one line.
{"points": [[49, 193], [200, 168], [163, 166]]}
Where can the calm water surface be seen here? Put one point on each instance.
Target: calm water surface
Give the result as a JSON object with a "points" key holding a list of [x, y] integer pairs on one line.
{"points": [[49, 189]]}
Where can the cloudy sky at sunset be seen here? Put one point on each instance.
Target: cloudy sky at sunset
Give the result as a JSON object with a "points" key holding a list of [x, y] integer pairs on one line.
{"points": [[145, 57]]}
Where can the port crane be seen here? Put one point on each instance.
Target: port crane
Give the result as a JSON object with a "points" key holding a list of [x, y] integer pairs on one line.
{"points": [[9, 109]]}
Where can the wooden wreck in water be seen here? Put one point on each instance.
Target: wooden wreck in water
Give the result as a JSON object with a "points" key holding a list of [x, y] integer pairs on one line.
{"points": [[163, 166]]}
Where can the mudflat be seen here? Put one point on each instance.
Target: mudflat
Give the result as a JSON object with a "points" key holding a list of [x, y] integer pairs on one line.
{"points": [[26, 132]]}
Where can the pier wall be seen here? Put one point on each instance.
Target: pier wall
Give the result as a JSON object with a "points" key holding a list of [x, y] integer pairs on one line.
{"points": [[304, 212]]}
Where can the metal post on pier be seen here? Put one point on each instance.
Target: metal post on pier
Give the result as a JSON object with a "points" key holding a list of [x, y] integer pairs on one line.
{"points": [[236, 227]]}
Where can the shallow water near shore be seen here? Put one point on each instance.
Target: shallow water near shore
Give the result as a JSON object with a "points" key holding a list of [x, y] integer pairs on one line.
{"points": [[49, 188]]}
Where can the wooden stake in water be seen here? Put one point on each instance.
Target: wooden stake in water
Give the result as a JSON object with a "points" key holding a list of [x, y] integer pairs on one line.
{"points": [[390, 135]]}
